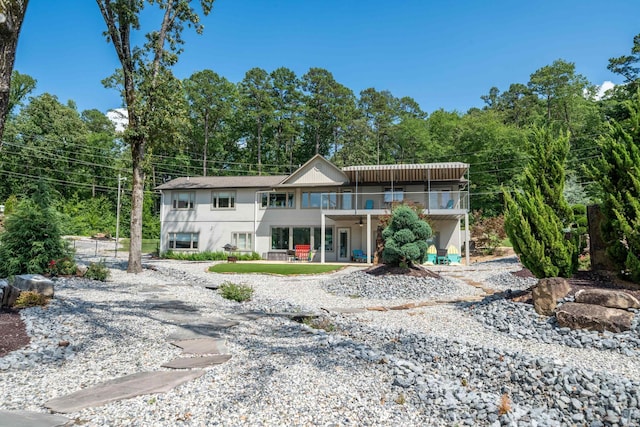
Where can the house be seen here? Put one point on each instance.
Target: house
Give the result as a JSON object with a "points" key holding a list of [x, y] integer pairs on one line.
{"points": [[319, 202]]}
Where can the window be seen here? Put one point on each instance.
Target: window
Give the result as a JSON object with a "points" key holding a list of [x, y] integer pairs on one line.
{"points": [[395, 195], [278, 200], [328, 238], [280, 238], [316, 200], [242, 241], [183, 240], [301, 236], [223, 200], [183, 199]]}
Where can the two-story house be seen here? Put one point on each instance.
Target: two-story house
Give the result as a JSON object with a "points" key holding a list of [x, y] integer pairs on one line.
{"points": [[334, 210]]}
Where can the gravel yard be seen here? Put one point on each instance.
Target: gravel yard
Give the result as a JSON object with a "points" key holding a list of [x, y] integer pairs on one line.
{"points": [[444, 364]]}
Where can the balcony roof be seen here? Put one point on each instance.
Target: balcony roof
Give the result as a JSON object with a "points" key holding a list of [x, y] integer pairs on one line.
{"points": [[450, 171]]}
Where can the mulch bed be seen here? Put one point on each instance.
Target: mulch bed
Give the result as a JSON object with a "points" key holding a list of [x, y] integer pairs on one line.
{"points": [[414, 271], [14, 332]]}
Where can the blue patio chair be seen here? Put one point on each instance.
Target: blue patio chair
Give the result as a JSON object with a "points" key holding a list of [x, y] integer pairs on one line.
{"points": [[368, 204], [358, 256], [450, 204], [432, 255]]}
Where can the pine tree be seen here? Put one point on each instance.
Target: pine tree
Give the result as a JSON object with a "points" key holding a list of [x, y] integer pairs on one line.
{"points": [[537, 217], [618, 173]]}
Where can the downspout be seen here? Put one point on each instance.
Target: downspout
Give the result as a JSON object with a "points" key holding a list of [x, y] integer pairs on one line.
{"points": [[255, 221], [161, 222]]}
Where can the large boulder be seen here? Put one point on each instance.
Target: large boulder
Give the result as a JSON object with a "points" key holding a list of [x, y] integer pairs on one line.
{"points": [[547, 293], [593, 317], [34, 282], [8, 294], [607, 298]]}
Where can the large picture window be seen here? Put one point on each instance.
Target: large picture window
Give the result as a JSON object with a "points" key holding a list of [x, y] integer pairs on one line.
{"points": [[278, 200], [223, 200], [312, 200], [393, 195], [183, 199], [242, 241], [280, 238], [183, 240]]}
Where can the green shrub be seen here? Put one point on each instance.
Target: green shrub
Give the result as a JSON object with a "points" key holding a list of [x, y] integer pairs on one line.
{"points": [[405, 238], [62, 267], [323, 323], [211, 256], [30, 299], [32, 237], [97, 271], [236, 292]]}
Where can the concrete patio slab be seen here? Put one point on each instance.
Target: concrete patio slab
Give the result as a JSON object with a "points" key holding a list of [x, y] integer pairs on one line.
{"points": [[197, 362], [121, 388], [31, 419], [202, 346]]}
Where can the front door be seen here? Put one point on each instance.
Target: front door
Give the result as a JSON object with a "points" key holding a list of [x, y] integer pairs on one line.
{"points": [[344, 247]]}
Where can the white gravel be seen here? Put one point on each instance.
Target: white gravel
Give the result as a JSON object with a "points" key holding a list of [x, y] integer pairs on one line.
{"points": [[368, 371]]}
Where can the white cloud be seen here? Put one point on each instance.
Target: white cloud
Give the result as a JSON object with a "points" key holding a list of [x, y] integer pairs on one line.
{"points": [[605, 86], [119, 118]]}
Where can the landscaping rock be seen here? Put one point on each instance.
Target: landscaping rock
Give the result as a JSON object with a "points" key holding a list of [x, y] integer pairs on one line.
{"points": [[8, 294], [34, 282], [607, 298], [547, 293], [593, 317]]}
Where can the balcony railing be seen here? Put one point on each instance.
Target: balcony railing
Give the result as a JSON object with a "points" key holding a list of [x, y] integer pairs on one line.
{"points": [[430, 200]]}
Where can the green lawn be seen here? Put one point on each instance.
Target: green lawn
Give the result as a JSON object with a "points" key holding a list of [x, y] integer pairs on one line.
{"points": [[284, 269], [148, 245]]}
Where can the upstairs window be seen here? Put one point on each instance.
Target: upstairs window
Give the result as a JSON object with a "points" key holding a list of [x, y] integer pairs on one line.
{"points": [[183, 199], [278, 200], [223, 200], [393, 195]]}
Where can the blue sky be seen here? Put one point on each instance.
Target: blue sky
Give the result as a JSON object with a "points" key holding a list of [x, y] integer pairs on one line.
{"points": [[444, 54]]}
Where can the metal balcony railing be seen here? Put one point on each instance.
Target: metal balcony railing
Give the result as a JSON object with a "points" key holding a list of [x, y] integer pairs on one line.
{"points": [[430, 200]]}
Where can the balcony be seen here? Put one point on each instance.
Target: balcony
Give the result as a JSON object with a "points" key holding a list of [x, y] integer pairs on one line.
{"points": [[436, 203]]}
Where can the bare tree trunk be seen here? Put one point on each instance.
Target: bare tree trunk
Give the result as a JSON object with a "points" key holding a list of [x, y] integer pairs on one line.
{"points": [[259, 149], [137, 201], [206, 143], [11, 17]]}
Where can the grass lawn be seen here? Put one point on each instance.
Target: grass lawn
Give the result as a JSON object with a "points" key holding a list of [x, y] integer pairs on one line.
{"points": [[284, 269], [148, 245]]}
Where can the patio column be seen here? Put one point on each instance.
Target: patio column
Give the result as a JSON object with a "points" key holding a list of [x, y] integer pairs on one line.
{"points": [[369, 259], [322, 237], [466, 237]]}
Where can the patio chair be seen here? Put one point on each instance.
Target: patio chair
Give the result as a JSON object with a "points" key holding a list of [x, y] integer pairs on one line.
{"points": [[358, 256], [449, 204], [432, 255], [368, 204], [302, 252], [453, 255]]}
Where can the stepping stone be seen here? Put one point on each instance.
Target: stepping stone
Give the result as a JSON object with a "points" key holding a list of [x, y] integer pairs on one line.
{"points": [[197, 362], [172, 306], [121, 388], [31, 419], [153, 289], [251, 315], [209, 327], [202, 346], [345, 310]]}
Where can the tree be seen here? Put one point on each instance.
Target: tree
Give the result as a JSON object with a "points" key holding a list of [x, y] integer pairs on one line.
{"points": [[618, 173], [32, 238], [11, 16], [537, 217], [212, 101], [628, 66], [21, 86], [405, 238], [143, 71], [256, 111]]}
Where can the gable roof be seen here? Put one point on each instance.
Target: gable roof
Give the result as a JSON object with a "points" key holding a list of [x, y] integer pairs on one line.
{"points": [[206, 182], [317, 171]]}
